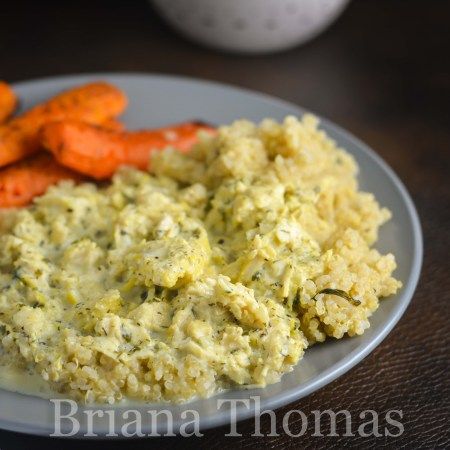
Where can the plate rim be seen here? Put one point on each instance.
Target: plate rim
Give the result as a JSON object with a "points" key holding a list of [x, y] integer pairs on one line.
{"points": [[221, 417]]}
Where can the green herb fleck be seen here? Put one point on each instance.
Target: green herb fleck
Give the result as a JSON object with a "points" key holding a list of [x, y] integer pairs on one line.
{"points": [[296, 301], [256, 276], [339, 293]]}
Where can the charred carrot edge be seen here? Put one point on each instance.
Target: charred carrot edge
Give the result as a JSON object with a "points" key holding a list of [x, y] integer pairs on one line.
{"points": [[94, 103], [8, 101], [21, 182], [98, 152]]}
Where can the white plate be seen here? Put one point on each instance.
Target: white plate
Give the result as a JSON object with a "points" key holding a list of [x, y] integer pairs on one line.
{"points": [[160, 100]]}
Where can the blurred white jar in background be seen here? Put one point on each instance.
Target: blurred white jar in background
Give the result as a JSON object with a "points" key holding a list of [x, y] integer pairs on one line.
{"points": [[250, 26]]}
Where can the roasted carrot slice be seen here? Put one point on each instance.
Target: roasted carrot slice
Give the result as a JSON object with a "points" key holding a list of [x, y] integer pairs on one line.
{"points": [[8, 101], [22, 181], [94, 103], [98, 152], [112, 124]]}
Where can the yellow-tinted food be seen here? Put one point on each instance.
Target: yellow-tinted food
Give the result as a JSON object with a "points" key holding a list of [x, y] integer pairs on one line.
{"points": [[203, 275]]}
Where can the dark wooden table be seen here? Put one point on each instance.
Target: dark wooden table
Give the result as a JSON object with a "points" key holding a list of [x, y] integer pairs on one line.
{"points": [[382, 72]]}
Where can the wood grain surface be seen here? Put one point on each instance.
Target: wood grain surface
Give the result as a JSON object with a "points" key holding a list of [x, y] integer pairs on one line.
{"points": [[382, 72]]}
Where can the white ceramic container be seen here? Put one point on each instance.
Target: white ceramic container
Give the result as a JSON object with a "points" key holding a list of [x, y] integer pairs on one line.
{"points": [[250, 26]]}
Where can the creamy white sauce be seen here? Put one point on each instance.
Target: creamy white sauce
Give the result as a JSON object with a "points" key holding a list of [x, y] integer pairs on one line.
{"points": [[16, 380]]}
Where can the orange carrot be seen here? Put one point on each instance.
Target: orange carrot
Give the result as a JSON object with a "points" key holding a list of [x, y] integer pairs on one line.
{"points": [[112, 124], [93, 103], [21, 182], [98, 152], [8, 101]]}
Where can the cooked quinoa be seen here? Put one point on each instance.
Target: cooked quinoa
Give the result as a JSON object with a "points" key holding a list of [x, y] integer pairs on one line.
{"points": [[204, 274]]}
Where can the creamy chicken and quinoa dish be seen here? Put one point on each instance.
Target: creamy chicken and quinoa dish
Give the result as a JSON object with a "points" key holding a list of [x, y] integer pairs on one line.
{"points": [[216, 269]]}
